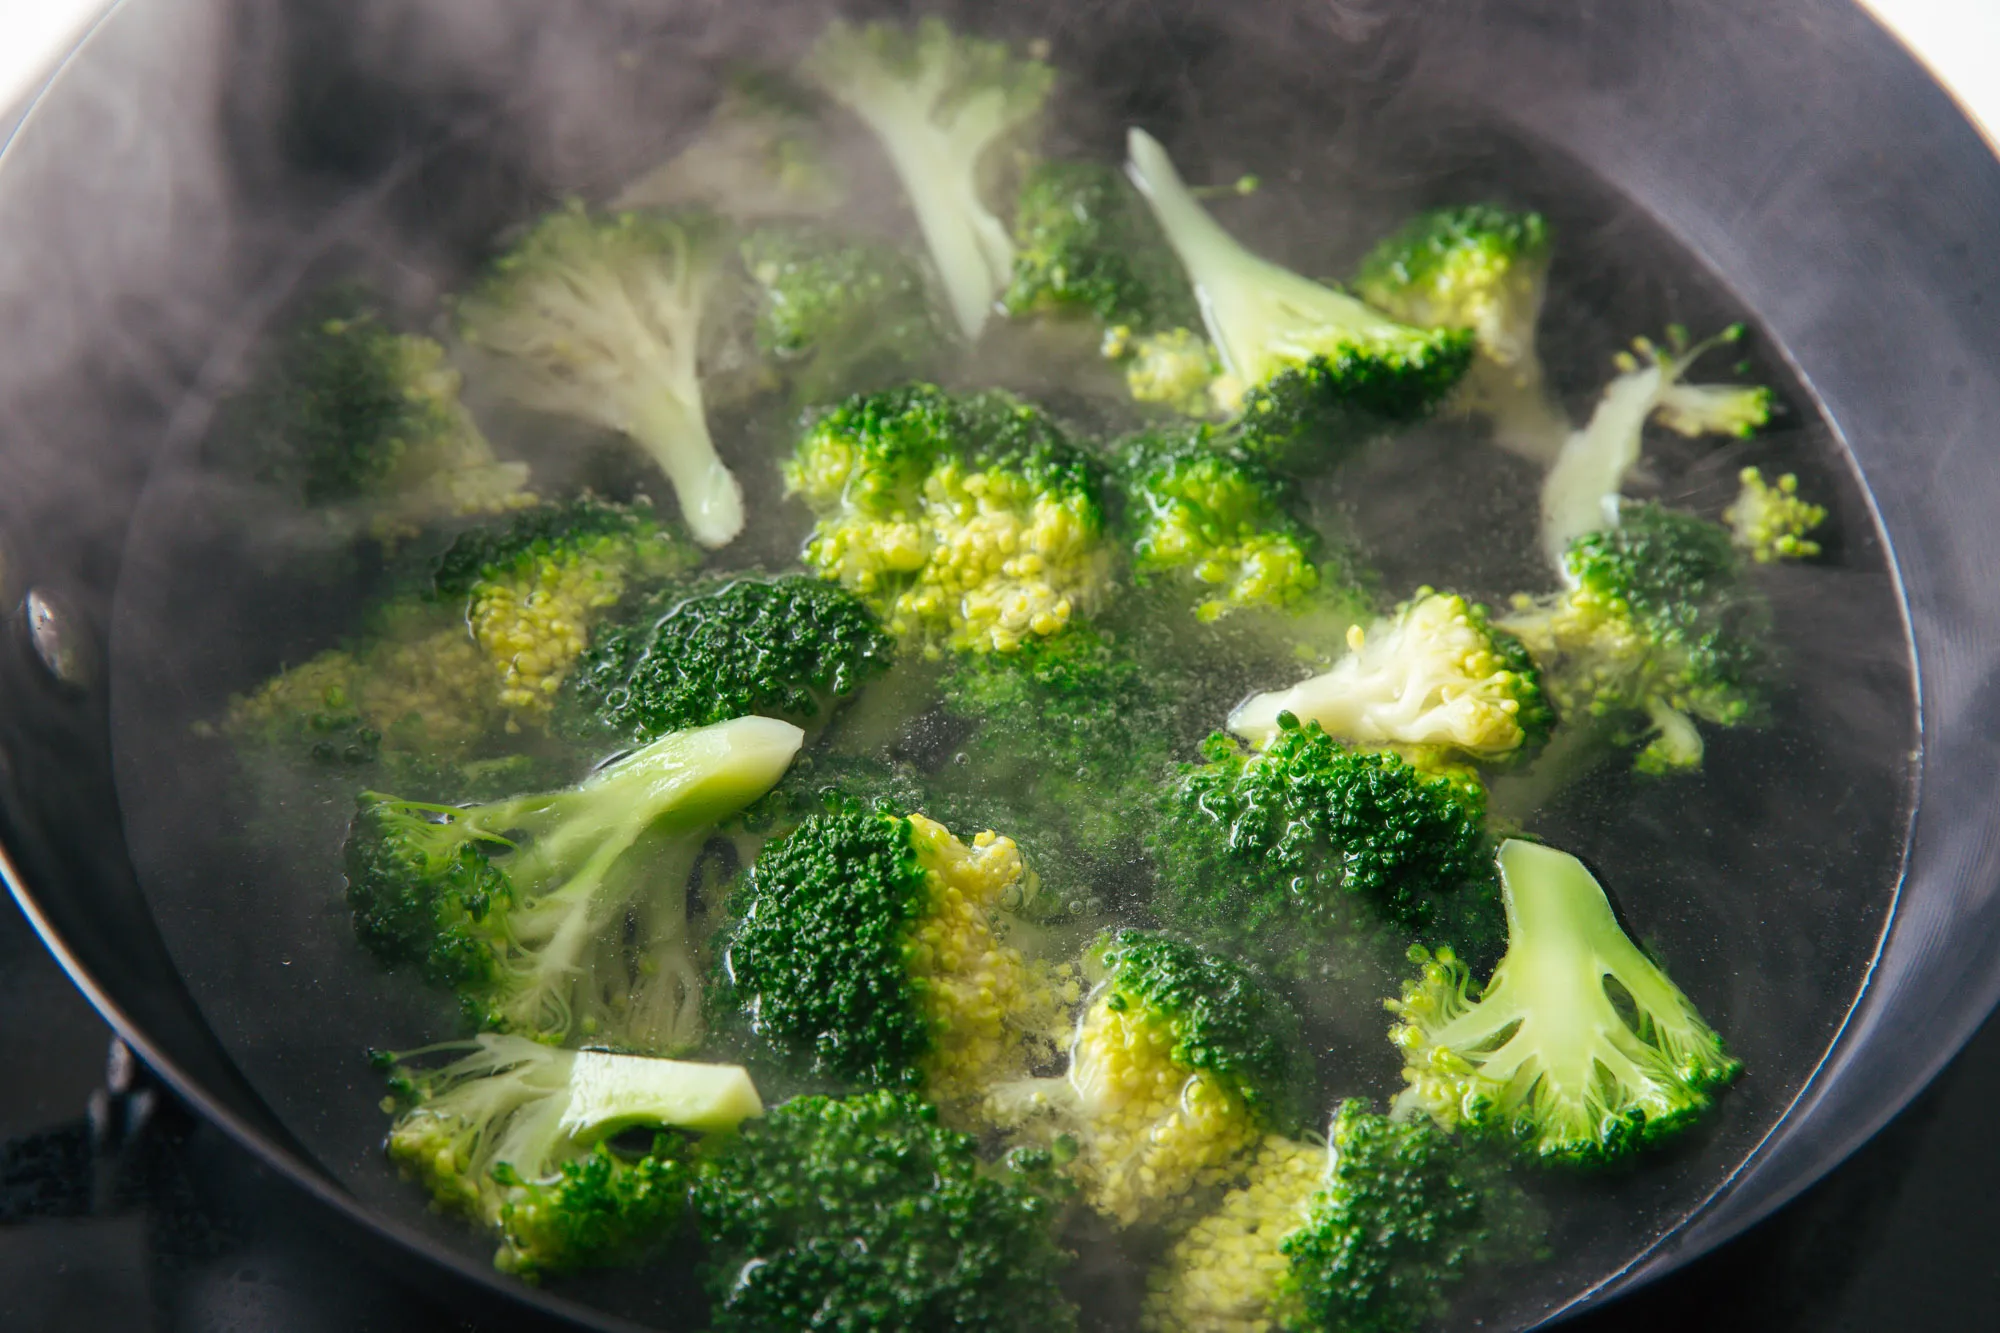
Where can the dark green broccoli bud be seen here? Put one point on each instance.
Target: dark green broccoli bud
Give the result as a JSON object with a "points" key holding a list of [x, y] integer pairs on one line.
{"points": [[861, 1214], [1088, 246], [840, 315], [1548, 1055], [791, 647]]}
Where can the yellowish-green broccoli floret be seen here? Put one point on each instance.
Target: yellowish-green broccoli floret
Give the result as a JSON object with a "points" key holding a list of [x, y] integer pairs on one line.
{"points": [[762, 155], [1770, 521], [1176, 369]]}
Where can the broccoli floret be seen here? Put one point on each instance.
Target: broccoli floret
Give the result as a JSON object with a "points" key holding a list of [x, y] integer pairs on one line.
{"points": [[1581, 492], [1176, 369], [1486, 269], [522, 905], [1198, 511], [1437, 676], [861, 1214], [1578, 1049], [1088, 246], [1655, 630], [1313, 369], [1285, 849], [763, 154], [1182, 1061], [938, 100], [963, 519], [792, 647], [601, 317], [1365, 1233], [516, 1136], [1769, 521], [839, 315], [874, 945]]}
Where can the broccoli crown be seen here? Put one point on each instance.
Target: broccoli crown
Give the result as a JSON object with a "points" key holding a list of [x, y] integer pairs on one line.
{"points": [[1199, 510], [1175, 368], [1310, 416], [1087, 245], [1438, 675], [586, 526], [1293, 839], [1769, 521], [763, 153], [839, 314], [790, 647], [424, 890], [1545, 1056], [598, 1209], [967, 519], [865, 1213], [1474, 267]]}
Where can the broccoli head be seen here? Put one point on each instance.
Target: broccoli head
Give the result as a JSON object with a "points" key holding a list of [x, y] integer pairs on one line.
{"points": [[1579, 1049], [1437, 677], [517, 1136], [564, 913], [763, 154], [1176, 368], [1313, 370], [937, 101], [865, 1213], [602, 317], [874, 945], [1088, 247], [963, 519], [1769, 521]]}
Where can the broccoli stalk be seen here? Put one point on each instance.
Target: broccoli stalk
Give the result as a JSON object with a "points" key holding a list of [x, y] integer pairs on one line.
{"points": [[938, 101], [1579, 1049], [513, 903], [600, 317]]}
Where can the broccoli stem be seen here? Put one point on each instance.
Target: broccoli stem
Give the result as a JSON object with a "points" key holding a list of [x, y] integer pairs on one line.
{"points": [[1580, 494], [609, 1094], [670, 424]]}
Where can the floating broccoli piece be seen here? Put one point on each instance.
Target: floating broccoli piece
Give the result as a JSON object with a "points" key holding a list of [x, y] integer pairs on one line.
{"points": [[1769, 521], [792, 647], [602, 317], [938, 100], [1655, 630], [1088, 246], [1176, 369], [874, 945], [1314, 369], [1545, 1055], [963, 519], [864, 1213], [1486, 269], [1183, 1060], [1581, 492], [523, 906], [763, 154], [516, 1136], [839, 315], [1437, 677]]}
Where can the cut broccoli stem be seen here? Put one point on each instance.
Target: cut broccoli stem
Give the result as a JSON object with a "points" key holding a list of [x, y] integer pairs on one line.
{"points": [[671, 425]]}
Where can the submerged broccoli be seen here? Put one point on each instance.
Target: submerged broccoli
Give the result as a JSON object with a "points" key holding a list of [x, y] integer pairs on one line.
{"points": [[1436, 678], [1314, 367], [517, 1136], [875, 945], [864, 1213], [792, 647], [1088, 247], [1182, 1061], [1365, 1234], [763, 154], [1176, 368], [601, 317], [967, 519], [524, 905], [1769, 522], [1486, 269], [938, 100], [1578, 1050]]}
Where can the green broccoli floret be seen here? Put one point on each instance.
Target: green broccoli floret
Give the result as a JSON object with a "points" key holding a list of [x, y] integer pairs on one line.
{"points": [[861, 1214], [1087, 246], [1176, 368], [1655, 630], [1313, 369], [1365, 1233], [602, 317], [792, 647], [967, 520], [1581, 492], [1578, 1050], [875, 946], [1486, 269], [1437, 678], [1285, 849], [517, 1136], [763, 154], [840, 315], [938, 101], [1184, 1059], [1199, 511], [524, 906], [1769, 521]]}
